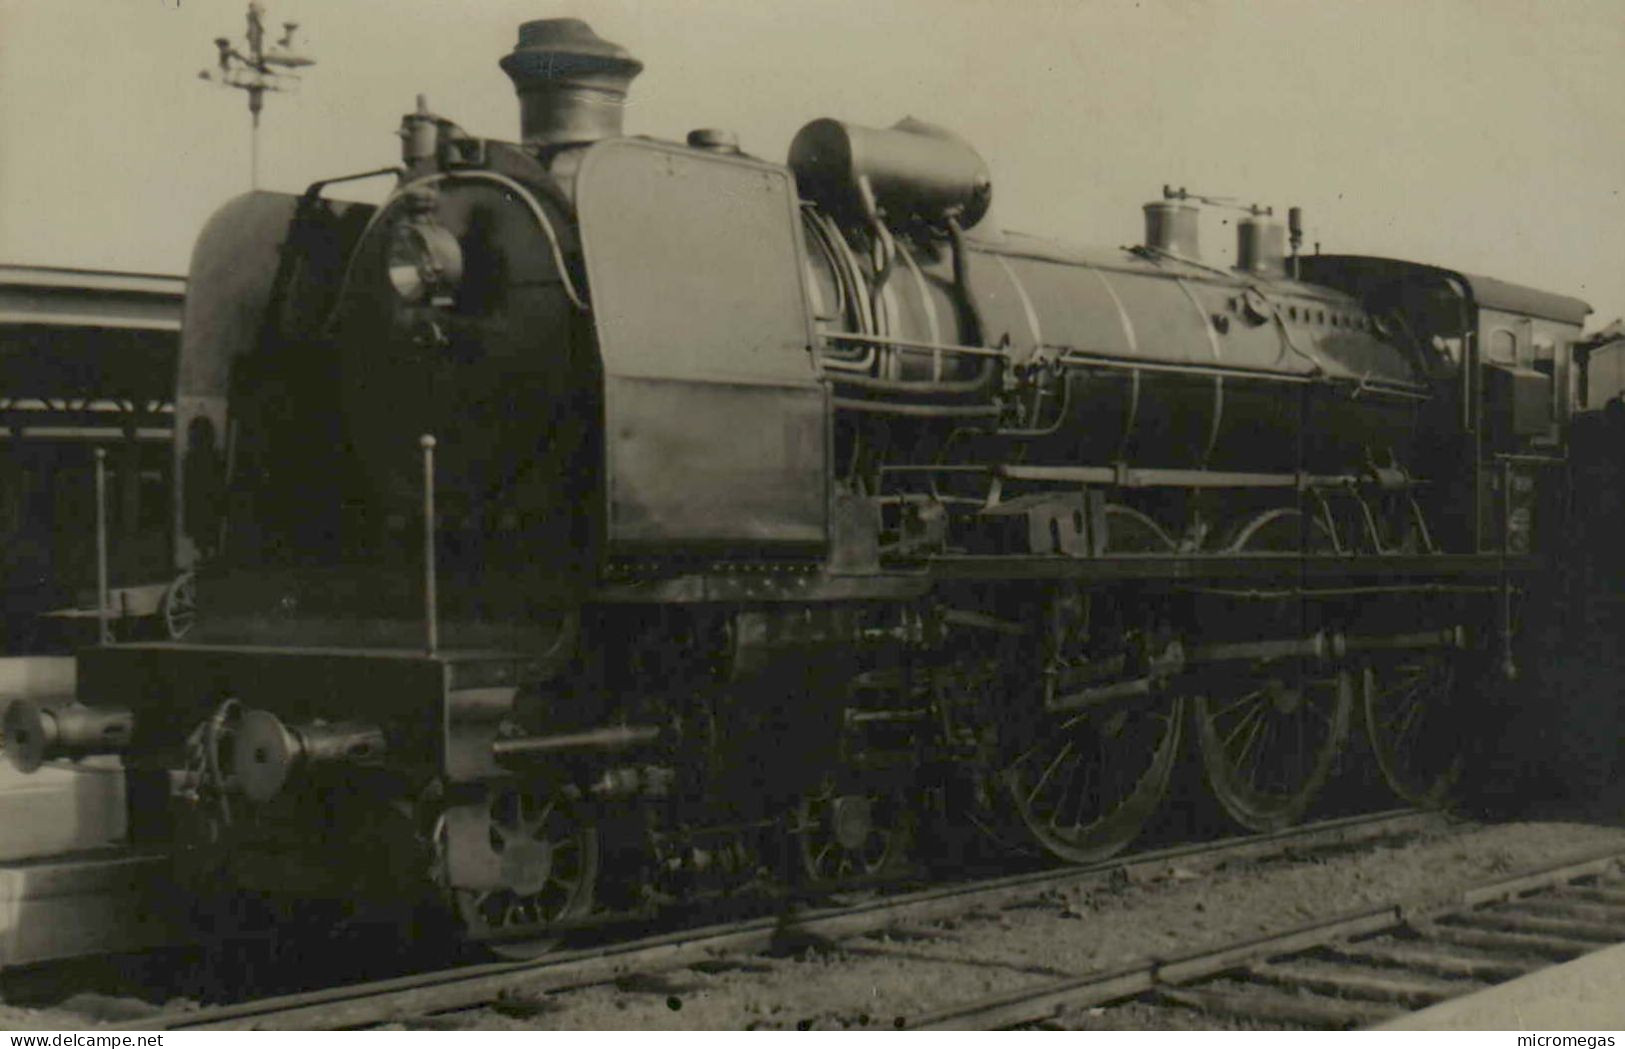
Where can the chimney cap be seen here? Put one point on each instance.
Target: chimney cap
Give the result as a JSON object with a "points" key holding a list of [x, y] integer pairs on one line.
{"points": [[563, 49]]}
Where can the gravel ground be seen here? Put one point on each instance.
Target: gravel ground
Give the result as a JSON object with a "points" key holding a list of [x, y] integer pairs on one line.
{"points": [[879, 980], [76, 1013], [885, 979]]}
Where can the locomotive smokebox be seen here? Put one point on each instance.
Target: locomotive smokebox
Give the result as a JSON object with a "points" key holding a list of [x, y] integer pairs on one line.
{"points": [[571, 83], [1171, 228], [916, 171]]}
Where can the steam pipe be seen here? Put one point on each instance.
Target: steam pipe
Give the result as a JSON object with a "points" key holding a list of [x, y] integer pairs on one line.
{"points": [[973, 313], [961, 387], [431, 603], [104, 631], [918, 411], [920, 386], [885, 248]]}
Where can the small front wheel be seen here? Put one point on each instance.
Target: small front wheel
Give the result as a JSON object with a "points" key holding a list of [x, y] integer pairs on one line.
{"points": [[515, 867], [179, 605], [852, 837]]}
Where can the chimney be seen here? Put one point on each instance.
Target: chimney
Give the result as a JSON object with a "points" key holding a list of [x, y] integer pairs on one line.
{"points": [[571, 83]]}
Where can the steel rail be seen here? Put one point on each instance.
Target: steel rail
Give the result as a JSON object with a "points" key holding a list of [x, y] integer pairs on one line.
{"points": [[467, 987], [1031, 1005]]}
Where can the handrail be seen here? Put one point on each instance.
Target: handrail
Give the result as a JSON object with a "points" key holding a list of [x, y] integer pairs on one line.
{"points": [[914, 344]]}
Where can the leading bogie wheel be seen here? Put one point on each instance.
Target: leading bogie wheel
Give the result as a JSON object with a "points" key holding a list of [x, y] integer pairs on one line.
{"points": [[853, 836], [179, 605], [516, 868]]}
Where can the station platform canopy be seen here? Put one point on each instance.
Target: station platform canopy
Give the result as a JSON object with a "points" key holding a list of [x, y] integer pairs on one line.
{"points": [[87, 354]]}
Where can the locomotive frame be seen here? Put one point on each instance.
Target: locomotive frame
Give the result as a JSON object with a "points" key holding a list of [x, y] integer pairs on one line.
{"points": [[771, 515]]}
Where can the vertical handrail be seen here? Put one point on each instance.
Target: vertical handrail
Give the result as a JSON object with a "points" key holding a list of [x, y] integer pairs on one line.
{"points": [[104, 632], [1509, 665], [431, 619]]}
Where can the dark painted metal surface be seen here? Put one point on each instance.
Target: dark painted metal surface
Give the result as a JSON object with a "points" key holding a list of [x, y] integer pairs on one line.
{"points": [[714, 419], [1278, 568], [424, 704], [756, 470], [1487, 292]]}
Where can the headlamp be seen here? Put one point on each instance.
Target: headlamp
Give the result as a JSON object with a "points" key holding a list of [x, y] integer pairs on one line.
{"points": [[423, 258]]}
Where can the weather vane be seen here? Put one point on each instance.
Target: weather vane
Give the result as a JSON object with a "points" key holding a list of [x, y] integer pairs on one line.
{"points": [[256, 69]]}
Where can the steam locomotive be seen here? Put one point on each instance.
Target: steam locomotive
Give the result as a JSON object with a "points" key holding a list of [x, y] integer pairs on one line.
{"points": [[601, 517]]}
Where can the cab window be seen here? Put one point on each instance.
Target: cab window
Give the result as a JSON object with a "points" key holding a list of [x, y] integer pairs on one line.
{"points": [[1502, 347]]}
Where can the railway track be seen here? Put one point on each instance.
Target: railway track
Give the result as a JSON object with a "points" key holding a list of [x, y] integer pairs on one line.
{"points": [[468, 987], [1355, 970]]}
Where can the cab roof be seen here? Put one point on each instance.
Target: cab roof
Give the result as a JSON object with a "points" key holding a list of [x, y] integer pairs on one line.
{"points": [[1485, 292]]}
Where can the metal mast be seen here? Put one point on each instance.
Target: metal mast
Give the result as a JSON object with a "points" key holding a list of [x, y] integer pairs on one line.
{"points": [[256, 69]]}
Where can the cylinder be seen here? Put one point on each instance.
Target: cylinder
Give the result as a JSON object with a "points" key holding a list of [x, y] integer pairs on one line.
{"points": [[571, 83], [36, 734], [917, 171], [1171, 228], [1261, 246]]}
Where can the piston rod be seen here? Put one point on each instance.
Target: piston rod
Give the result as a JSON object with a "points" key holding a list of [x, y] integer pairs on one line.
{"points": [[1163, 666], [1449, 637], [1319, 646], [616, 737]]}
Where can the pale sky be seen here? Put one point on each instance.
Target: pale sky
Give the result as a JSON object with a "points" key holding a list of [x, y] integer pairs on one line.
{"points": [[1486, 135]]}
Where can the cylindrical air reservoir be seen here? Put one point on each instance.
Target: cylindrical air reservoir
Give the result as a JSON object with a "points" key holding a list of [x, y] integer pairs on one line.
{"points": [[1171, 228], [917, 171], [1261, 246]]}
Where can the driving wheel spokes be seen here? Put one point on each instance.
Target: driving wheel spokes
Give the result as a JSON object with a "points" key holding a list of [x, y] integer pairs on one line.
{"points": [[1089, 781], [516, 868], [1269, 734], [852, 836], [1092, 765], [1411, 718]]}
